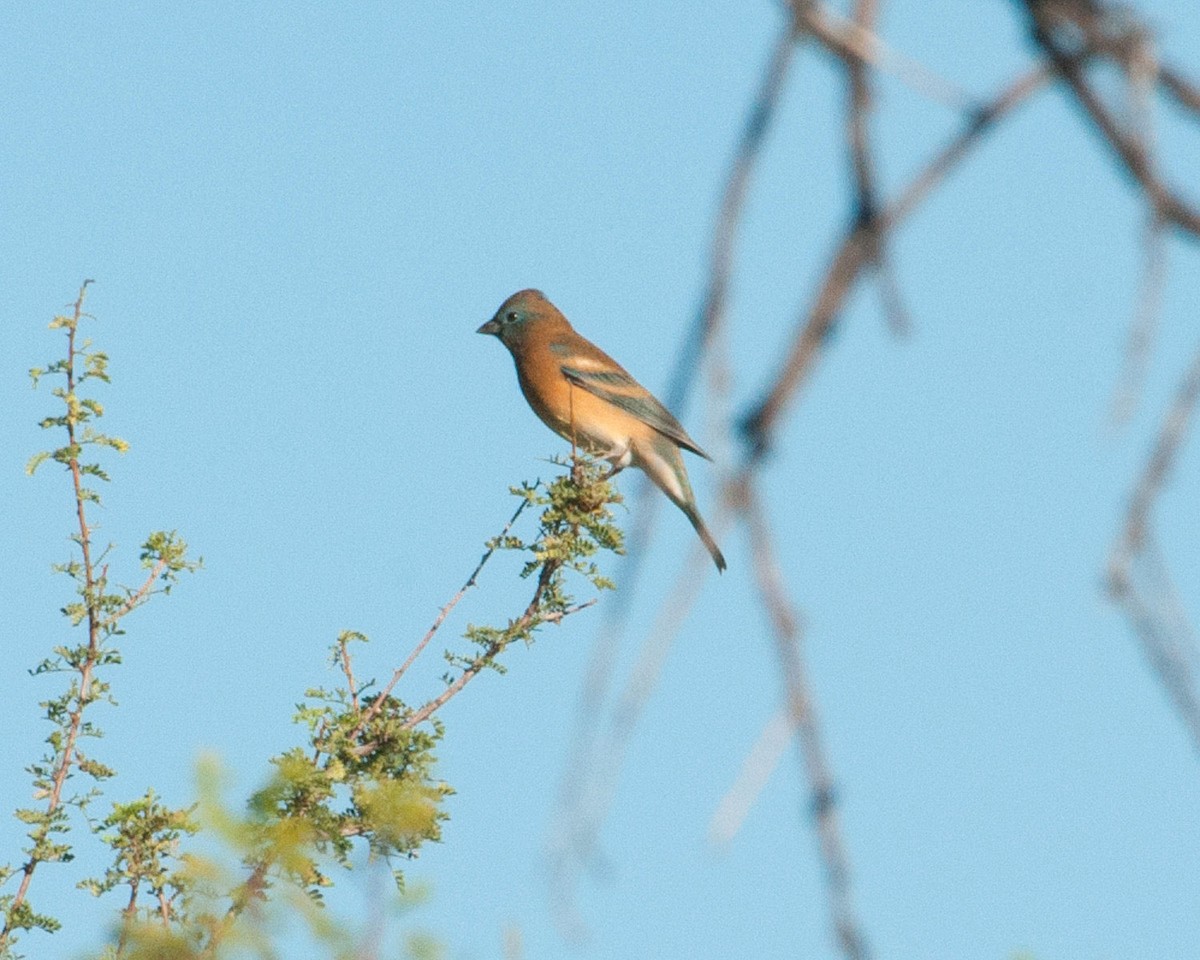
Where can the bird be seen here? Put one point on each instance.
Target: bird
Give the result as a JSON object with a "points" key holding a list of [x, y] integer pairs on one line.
{"points": [[585, 396]]}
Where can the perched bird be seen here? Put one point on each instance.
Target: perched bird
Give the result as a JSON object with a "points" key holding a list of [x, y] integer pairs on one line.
{"points": [[585, 396]]}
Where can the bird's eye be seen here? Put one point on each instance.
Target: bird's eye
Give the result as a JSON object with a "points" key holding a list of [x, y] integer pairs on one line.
{"points": [[510, 317]]}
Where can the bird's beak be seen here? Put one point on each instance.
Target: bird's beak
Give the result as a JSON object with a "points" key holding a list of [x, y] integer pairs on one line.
{"points": [[492, 327]]}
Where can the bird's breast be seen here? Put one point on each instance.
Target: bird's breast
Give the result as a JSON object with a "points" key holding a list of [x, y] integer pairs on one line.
{"points": [[570, 411]]}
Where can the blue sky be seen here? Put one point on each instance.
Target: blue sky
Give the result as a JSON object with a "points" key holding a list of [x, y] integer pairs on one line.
{"points": [[298, 214]]}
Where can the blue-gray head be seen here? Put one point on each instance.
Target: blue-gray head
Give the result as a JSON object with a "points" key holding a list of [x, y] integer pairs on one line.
{"points": [[521, 313]]}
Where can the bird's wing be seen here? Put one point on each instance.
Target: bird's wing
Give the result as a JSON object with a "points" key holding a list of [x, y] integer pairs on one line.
{"points": [[604, 378]]}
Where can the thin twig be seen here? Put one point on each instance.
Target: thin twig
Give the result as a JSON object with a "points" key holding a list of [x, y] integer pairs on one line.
{"points": [[723, 243], [532, 616], [380, 700], [860, 104], [853, 254], [348, 672], [1145, 322], [822, 802], [83, 696], [852, 39], [1136, 570], [577, 835], [138, 597], [707, 323], [1137, 55], [1133, 155], [1141, 586], [751, 781], [1162, 459], [1186, 93]]}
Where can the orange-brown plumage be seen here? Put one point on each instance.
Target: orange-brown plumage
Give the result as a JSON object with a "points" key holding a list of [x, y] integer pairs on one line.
{"points": [[585, 396]]}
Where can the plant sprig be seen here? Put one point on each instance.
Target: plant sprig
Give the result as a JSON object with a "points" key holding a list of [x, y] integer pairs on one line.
{"points": [[365, 775], [100, 608], [361, 782]]}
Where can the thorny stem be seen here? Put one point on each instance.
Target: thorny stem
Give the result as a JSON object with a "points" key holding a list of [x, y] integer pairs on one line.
{"points": [[138, 597], [253, 887], [532, 616], [377, 705], [96, 624]]}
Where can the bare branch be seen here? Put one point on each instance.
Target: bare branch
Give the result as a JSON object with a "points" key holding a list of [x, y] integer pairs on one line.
{"points": [[705, 329], [1145, 321], [862, 162], [853, 254], [733, 199], [587, 800], [752, 778], [1162, 459], [856, 40], [1185, 93], [138, 597], [822, 805], [380, 700], [1048, 18], [1141, 586], [1137, 578], [532, 616]]}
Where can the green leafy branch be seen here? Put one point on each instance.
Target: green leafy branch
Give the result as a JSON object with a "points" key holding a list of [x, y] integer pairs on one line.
{"points": [[364, 777], [362, 780], [145, 836], [100, 608], [576, 523]]}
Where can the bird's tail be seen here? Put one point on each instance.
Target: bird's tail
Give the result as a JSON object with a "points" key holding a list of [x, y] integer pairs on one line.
{"points": [[662, 462], [693, 515]]}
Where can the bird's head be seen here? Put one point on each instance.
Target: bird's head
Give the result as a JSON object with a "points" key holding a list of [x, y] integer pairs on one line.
{"points": [[518, 314]]}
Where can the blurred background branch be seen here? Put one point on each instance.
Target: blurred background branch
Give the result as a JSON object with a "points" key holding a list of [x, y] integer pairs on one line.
{"points": [[1069, 39]]}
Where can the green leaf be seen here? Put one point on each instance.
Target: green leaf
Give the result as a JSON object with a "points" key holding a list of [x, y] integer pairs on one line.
{"points": [[36, 461]]}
